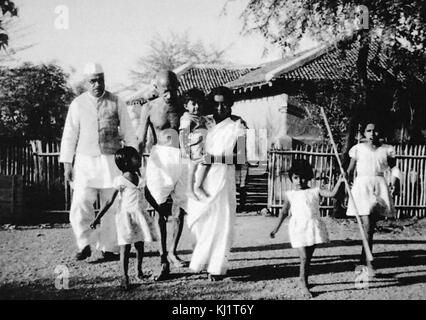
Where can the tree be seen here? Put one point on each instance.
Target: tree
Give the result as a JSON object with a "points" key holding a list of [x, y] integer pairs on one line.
{"points": [[399, 26], [171, 52], [8, 9], [33, 101]]}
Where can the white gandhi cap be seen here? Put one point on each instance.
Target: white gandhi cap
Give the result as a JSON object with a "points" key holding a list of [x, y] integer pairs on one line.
{"points": [[92, 68]]}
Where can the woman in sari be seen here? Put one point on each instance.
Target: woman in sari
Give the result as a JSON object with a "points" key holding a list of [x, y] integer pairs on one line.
{"points": [[212, 219]]}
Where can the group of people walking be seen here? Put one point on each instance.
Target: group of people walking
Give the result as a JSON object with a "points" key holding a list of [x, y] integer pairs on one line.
{"points": [[188, 162], [197, 143]]}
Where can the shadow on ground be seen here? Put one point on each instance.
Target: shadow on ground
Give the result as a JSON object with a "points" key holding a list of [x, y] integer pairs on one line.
{"points": [[343, 263], [108, 288], [331, 244]]}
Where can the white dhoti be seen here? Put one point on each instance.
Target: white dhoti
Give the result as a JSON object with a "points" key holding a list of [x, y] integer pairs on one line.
{"points": [[212, 219], [93, 176], [166, 175]]}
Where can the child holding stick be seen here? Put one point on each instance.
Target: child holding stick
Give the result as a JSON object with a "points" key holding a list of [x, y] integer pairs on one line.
{"points": [[371, 194], [134, 225], [306, 229]]}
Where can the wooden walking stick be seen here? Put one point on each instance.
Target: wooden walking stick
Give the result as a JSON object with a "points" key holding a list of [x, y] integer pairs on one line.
{"points": [[361, 230]]}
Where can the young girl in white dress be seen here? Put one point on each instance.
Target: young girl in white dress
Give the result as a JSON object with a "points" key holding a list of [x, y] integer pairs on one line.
{"points": [[134, 225], [306, 229], [370, 190]]}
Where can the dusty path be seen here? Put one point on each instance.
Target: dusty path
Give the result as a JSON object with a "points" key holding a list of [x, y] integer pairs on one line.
{"points": [[261, 268]]}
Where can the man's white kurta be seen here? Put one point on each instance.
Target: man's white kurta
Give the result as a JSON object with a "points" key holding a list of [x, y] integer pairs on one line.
{"points": [[80, 138], [92, 171]]}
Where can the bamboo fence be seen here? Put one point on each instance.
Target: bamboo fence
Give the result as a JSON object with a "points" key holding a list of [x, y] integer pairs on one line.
{"points": [[43, 178], [410, 159]]}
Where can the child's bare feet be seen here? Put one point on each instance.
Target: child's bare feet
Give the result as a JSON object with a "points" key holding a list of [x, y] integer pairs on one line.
{"points": [[125, 283], [303, 286], [200, 190], [164, 272]]}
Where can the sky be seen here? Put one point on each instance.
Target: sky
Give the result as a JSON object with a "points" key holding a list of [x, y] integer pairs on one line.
{"points": [[115, 33]]}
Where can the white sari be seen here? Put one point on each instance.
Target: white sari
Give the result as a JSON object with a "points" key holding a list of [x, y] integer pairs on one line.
{"points": [[211, 220]]}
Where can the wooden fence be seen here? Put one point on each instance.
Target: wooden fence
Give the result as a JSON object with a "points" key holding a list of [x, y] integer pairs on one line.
{"points": [[37, 162], [43, 179], [43, 176], [411, 160]]}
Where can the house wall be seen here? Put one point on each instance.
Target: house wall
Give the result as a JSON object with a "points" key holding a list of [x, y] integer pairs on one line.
{"points": [[278, 118], [264, 113]]}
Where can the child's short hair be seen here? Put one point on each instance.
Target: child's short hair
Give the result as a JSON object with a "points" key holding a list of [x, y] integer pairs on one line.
{"points": [[123, 158], [302, 168], [194, 94]]}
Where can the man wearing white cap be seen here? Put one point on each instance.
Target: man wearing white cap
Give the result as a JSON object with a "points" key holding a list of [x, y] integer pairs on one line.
{"points": [[96, 126]]}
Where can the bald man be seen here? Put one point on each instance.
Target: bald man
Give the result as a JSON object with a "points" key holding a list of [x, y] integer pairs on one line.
{"points": [[96, 126], [164, 170]]}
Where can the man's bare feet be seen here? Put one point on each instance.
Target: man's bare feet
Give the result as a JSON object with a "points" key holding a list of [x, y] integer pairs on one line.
{"points": [[177, 262], [215, 277], [110, 256], [164, 272], [303, 286], [83, 254]]}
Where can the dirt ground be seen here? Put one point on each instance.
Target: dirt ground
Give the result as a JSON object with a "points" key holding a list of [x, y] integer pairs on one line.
{"points": [[260, 267]]}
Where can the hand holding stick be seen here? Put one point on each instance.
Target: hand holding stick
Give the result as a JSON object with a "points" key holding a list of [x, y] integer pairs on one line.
{"points": [[364, 239]]}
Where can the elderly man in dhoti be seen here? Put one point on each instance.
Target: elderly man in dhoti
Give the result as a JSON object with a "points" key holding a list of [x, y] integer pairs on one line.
{"points": [[164, 171], [97, 125], [212, 219]]}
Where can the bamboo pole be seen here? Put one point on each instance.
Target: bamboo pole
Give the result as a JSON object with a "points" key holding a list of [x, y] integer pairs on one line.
{"points": [[418, 183], [272, 180], [361, 230], [408, 169], [397, 199], [270, 155], [403, 183], [406, 182], [48, 164], [410, 184], [416, 173], [330, 181], [422, 182]]}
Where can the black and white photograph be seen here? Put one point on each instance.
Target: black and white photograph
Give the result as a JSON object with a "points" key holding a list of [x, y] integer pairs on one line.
{"points": [[213, 154]]}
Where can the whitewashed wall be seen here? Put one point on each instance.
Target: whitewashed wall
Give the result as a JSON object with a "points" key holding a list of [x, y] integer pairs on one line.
{"points": [[270, 113]]}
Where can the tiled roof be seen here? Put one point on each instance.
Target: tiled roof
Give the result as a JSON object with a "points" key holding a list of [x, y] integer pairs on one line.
{"points": [[334, 66], [204, 77], [208, 77], [328, 64], [258, 75]]}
